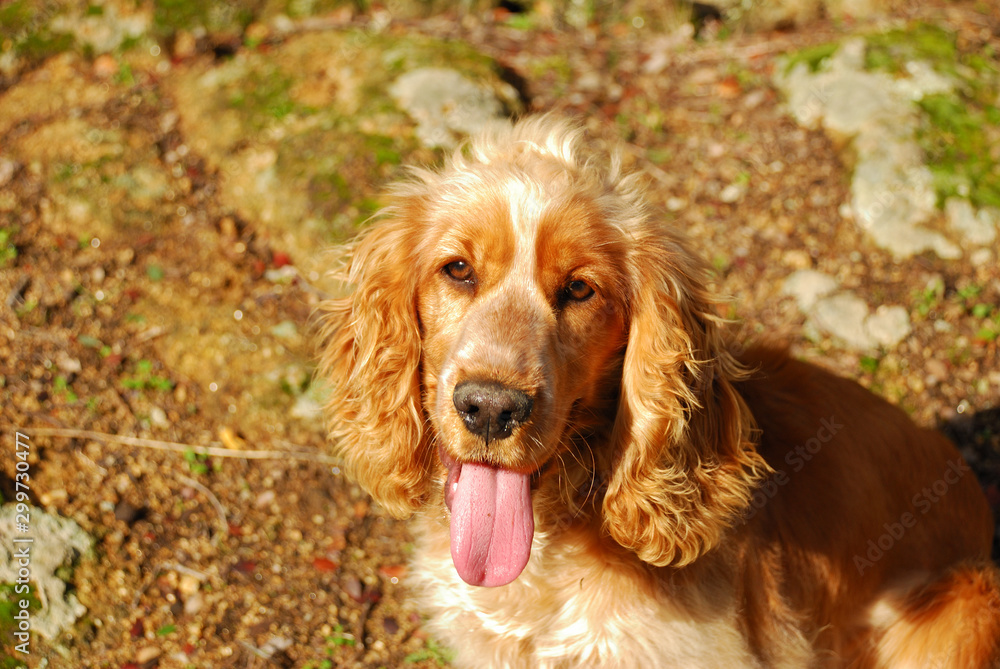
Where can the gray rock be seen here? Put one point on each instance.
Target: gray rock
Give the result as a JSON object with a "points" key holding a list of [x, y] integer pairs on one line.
{"points": [[981, 257], [922, 80], [892, 190], [309, 405], [892, 195], [889, 325], [844, 316], [978, 228], [56, 542], [807, 286], [444, 104]]}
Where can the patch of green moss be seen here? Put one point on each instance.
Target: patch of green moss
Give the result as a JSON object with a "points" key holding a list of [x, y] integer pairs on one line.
{"points": [[523, 21], [329, 187], [297, 9], [341, 168], [385, 149], [15, 18], [264, 97], [169, 16], [975, 72], [431, 651], [420, 51], [24, 28], [956, 136], [889, 51], [557, 66], [812, 56], [39, 46], [264, 94], [8, 251], [10, 603], [173, 15], [9, 662], [958, 130]]}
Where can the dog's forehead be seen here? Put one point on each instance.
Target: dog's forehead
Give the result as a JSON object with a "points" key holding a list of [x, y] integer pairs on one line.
{"points": [[516, 209], [526, 204]]}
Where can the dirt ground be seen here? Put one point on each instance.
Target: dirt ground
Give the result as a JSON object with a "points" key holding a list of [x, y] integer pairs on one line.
{"points": [[158, 311]]}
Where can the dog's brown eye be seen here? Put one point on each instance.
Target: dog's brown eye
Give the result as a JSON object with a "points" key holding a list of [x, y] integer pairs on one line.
{"points": [[460, 270], [578, 291]]}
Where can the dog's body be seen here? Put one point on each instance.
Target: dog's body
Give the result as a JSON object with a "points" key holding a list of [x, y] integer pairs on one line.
{"points": [[797, 585], [532, 365]]}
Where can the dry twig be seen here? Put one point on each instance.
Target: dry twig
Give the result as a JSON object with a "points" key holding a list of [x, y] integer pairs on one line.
{"points": [[155, 444], [211, 498]]}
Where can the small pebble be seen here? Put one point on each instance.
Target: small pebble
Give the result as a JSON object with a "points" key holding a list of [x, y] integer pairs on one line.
{"points": [[265, 499], [52, 497], [105, 66], [352, 586], [797, 259], [188, 585], [7, 169], [194, 604], [147, 654], [128, 513], [981, 257], [158, 417], [937, 368], [732, 193]]}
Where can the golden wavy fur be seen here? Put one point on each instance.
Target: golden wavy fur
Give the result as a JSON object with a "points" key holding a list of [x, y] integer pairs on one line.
{"points": [[531, 364]]}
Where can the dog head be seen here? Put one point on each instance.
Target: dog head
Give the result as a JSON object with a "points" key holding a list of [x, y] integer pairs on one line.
{"points": [[512, 308]]}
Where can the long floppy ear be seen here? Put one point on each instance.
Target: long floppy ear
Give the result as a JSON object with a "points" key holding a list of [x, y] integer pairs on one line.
{"points": [[371, 356], [684, 464]]}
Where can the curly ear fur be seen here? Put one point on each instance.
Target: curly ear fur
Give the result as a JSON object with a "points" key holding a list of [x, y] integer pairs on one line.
{"points": [[371, 355], [684, 464]]}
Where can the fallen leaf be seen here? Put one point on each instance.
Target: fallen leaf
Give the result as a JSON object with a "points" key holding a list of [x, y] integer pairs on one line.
{"points": [[230, 439], [325, 565]]}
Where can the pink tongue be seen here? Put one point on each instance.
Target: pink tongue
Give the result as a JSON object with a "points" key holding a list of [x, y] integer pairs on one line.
{"points": [[491, 525]]}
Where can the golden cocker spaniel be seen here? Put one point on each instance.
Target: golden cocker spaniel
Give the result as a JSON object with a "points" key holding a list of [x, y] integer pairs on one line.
{"points": [[531, 365]]}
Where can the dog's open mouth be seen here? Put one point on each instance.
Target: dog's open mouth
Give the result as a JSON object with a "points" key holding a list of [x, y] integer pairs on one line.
{"points": [[491, 521]]}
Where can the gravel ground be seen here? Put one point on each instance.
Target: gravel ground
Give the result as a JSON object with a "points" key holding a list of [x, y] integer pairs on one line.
{"points": [[140, 302]]}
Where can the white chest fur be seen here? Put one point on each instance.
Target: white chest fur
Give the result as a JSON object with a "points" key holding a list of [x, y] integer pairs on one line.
{"points": [[574, 605]]}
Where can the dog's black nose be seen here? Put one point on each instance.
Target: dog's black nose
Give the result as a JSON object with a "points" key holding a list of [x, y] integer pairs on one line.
{"points": [[491, 410]]}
